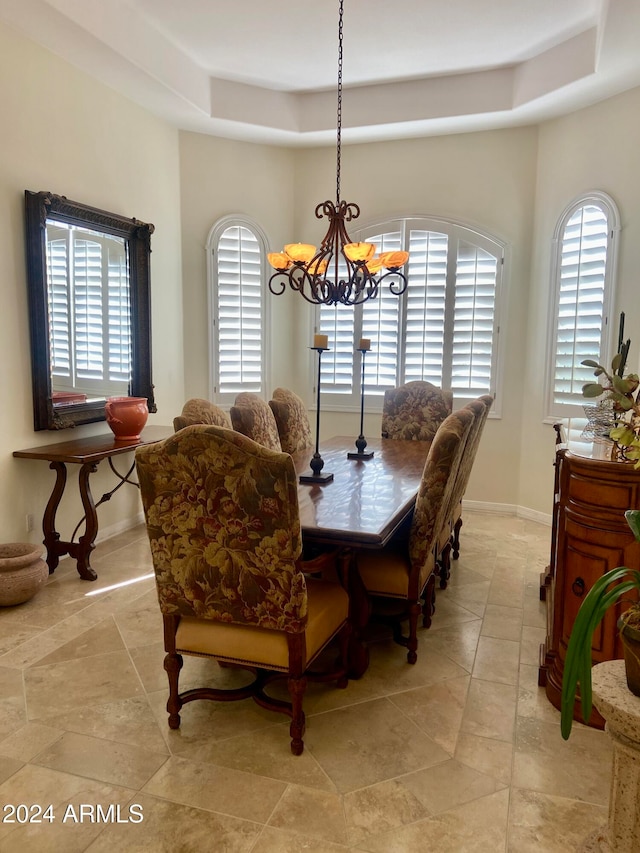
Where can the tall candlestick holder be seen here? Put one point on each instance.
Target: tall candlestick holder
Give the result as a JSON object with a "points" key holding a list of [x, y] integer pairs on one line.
{"points": [[361, 441], [317, 462]]}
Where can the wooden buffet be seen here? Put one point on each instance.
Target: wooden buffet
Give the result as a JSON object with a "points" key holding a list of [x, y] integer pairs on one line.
{"points": [[589, 536]]}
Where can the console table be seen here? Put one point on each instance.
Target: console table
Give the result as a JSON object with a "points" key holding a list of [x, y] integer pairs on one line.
{"points": [[590, 535], [88, 453]]}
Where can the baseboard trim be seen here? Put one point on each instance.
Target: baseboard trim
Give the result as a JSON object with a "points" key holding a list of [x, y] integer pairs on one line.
{"points": [[508, 509], [119, 527]]}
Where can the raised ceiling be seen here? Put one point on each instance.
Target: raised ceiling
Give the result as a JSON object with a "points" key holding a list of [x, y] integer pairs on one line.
{"points": [[265, 70]]}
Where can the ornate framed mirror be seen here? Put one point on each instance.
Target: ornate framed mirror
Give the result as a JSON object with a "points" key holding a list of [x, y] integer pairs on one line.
{"points": [[89, 309]]}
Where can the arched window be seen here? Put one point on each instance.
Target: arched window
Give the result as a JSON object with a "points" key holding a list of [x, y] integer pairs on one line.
{"points": [[583, 278], [236, 251], [443, 329]]}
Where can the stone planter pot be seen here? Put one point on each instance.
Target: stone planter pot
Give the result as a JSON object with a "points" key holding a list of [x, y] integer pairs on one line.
{"points": [[631, 647], [22, 572]]}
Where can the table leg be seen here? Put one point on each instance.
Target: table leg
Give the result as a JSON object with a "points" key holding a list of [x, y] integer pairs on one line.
{"points": [[359, 614], [86, 543], [55, 548]]}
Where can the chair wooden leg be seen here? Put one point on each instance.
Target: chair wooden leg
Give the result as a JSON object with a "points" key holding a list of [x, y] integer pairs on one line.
{"points": [[344, 639], [444, 564], [429, 606], [173, 665], [412, 642], [456, 538], [297, 686]]}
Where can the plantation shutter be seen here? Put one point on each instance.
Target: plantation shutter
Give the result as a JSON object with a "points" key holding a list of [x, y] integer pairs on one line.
{"points": [[239, 312], [580, 301], [381, 324], [473, 320], [89, 311], [443, 329], [58, 305], [425, 299]]}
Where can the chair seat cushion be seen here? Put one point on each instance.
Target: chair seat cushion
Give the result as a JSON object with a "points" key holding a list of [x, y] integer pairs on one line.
{"points": [[328, 607], [386, 572]]}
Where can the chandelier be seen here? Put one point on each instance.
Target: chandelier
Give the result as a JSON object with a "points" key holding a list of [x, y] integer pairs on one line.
{"points": [[340, 271]]}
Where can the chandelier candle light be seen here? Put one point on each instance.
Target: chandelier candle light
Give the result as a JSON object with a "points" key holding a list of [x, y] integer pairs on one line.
{"points": [[320, 344], [361, 442], [341, 271]]}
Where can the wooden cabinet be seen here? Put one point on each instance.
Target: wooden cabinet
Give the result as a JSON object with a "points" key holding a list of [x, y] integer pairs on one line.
{"points": [[590, 536]]}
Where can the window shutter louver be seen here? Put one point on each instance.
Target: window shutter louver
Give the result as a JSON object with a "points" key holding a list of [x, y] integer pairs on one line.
{"points": [[59, 313], [581, 301], [443, 329], [473, 320], [239, 312]]}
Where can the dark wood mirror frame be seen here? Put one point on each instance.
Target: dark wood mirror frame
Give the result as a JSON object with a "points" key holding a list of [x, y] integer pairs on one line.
{"points": [[43, 206]]}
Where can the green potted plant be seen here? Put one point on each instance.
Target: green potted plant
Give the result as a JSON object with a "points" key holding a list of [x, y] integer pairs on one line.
{"points": [[623, 395], [606, 592]]}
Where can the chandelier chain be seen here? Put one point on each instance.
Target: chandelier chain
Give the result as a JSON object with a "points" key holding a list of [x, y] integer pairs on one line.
{"points": [[339, 109]]}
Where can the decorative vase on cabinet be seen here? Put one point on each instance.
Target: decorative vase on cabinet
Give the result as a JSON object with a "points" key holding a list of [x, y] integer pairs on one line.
{"points": [[126, 416]]}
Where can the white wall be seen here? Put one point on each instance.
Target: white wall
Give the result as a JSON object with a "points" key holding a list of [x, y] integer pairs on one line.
{"points": [[63, 132], [593, 149]]}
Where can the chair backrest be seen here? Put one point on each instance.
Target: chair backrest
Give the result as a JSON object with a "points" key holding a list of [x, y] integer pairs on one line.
{"points": [[252, 416], [436, 486], [224, 528], [199, 411], [292, 420], [415, 411], [480, 408]]}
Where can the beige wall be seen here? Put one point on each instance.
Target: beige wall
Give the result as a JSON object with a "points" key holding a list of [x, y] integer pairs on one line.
{"points": [[221, 177], [64, 133], [593, 149]]}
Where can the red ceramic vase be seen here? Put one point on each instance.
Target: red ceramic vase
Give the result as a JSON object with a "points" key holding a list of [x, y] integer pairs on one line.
{"points": [[126, 416]]}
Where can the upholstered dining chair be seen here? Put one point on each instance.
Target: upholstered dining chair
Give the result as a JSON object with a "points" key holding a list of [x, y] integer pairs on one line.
{"points": [[479, 408], [251, 416], [405, 570], [468, 458], [199, 411], [415, 410], [292, 420], [224, 529]]}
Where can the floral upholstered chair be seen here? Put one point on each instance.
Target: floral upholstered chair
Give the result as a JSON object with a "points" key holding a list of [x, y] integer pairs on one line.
{"points": [[292, 420], [252, 416], [199, 411], [466, 465], [224, 529], [406, 569], [415, 411]]}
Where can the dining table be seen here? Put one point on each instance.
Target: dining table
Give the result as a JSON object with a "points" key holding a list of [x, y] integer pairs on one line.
{"points": [[366, 502]]}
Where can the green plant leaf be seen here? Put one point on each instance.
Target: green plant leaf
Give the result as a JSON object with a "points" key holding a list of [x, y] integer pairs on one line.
{"points": [[589, 362], [605, 592], [592, 389], [615, 363], [633, 520]]}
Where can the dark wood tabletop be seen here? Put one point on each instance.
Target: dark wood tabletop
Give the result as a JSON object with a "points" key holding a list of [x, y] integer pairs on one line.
{"points": [[367, 500]]}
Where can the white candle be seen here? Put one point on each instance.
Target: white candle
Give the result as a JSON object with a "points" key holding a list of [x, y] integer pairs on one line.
{"points": [[365, 343], [320, 341]]}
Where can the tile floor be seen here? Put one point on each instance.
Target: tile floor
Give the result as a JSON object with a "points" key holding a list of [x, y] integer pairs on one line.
{"points": [[461, 752]]}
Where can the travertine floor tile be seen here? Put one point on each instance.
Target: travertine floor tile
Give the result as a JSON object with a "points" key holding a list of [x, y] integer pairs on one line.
{"points": [[172, 827], [480, 825], [554, 824], [579, 768], [312, 813], [497, 660], [104, 760], [219, 789], [450, 784], [436, 709], [490, 710], [379, 808]]}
